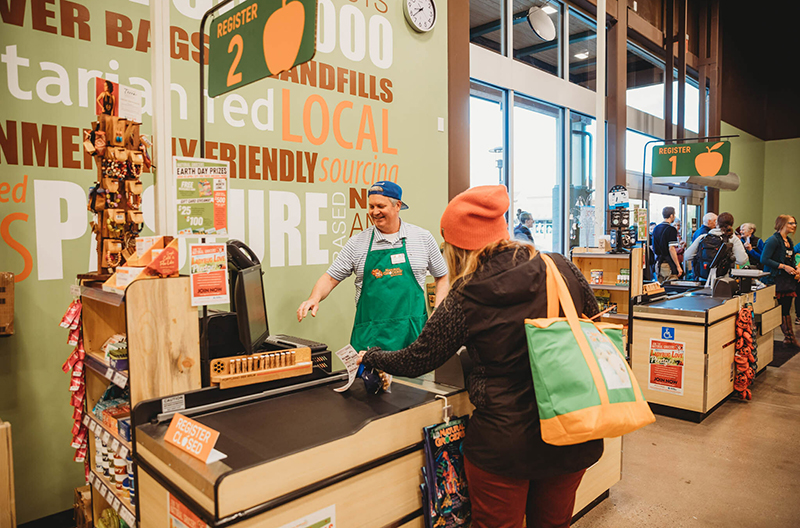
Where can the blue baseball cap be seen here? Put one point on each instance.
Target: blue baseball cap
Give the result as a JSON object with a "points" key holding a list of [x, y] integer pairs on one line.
{"points": [[389, 190]]}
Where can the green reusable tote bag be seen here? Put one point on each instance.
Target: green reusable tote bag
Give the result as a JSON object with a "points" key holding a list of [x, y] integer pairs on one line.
{"points": [[585, 389]]}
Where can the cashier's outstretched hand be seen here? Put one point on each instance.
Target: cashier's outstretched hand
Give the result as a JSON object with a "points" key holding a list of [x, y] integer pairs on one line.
{"points": [[311, 305]]}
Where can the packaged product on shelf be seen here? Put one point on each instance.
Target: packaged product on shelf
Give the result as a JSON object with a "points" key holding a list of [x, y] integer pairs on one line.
{"points": [[596, 276], [112, 343], [72, 316], [603, 298], [124, 428]]}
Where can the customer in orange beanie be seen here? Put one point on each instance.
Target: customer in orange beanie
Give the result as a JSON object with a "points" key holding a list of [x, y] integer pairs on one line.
{"points": [[496, 284]]}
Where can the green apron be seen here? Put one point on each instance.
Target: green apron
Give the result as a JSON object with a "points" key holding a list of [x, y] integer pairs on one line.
{"points": [[391, 310]]}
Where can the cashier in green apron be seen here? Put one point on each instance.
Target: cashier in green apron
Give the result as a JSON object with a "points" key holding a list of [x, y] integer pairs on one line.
{"points": [[390, 260]]}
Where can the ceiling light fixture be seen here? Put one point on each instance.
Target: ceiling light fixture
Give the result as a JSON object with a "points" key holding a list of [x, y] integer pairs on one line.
{"points": [[548, 9], [582, 55]]}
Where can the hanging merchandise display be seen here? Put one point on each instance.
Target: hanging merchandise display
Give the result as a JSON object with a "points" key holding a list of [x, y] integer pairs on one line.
{"points": [[77, 386], [445, 495], [746, 358], [120, 154]]}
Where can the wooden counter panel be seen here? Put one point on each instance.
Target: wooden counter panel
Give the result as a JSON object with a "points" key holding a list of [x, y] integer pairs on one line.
{"points": [[770, 320], [377, 497], [720, 361], [164, 352], [600, 477], [204, 497], [764, 299], [378, 438], [766, 348], [730, 307], [694, 363]]}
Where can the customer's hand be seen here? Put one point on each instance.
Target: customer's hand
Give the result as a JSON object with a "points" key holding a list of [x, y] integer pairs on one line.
{"points": [[748, 246], [360, 357]]}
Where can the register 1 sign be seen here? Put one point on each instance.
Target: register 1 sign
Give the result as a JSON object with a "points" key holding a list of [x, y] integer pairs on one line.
{"points": [[258, 39], [202, 196], [691, 159]]}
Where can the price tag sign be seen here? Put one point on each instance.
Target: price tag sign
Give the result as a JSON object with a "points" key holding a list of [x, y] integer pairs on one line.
{"points": [[123, 451], [107, 494], [120, 380], [105, 437], [86, 419], [75, 290], [202, 196], [109, 373], [115, 445], [191, 437], [91, 479], [116, 504], [92, 425], [128, 517]]}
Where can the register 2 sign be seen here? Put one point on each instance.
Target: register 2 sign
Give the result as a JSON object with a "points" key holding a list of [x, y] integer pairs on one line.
{"points": [[666, 366]]}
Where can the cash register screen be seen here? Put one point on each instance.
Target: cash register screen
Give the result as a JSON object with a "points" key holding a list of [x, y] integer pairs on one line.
{"points": [[251, 309]]}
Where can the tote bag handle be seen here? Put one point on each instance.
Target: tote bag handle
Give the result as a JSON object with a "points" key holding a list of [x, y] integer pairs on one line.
{"points": [[567, 304], [564, 298]]}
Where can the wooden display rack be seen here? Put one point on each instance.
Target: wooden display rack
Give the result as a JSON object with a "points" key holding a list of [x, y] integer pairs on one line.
{"points": [[245, 370], [588, 259], [163, 357]]}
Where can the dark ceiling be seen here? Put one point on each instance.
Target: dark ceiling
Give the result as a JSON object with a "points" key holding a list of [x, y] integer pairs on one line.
{"points": [[760, 90]]}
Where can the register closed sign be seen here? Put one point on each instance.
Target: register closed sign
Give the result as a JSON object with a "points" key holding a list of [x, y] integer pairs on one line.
{"points": [[191, 437]]}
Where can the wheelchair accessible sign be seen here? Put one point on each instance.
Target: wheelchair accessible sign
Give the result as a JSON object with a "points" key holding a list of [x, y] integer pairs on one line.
{"points": [[668, 333]]}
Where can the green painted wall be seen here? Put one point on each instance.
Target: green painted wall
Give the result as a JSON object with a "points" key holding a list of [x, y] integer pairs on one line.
{"points": [[769, 172], [782, 181], [47, 69], [747, 160]]}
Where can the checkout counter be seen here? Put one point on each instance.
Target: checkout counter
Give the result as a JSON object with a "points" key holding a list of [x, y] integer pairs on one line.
{"points": [[697, 331], [299, 448]]}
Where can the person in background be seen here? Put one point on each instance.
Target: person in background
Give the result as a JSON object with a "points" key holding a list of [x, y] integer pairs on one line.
{"points": [[681, 248], [709, 223], [665, 246], [752, 244], [651, 256], [702, 257], [778, 259], [523, 229], [797, 289], [496, 284], [651, 228]]}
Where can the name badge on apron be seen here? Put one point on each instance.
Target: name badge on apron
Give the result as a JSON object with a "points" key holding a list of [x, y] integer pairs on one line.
{"points": [[398, 258]]}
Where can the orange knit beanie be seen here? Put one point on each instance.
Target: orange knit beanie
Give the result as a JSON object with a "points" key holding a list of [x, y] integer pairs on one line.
{"points": [[475, 218]]}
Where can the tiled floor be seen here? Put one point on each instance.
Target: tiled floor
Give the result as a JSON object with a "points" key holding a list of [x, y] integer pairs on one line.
{"points": [[739, 468]]}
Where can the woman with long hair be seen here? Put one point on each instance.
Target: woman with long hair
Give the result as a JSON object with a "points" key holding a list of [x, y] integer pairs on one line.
{"points": [[778, 260], [497, 283], [702, 253]]}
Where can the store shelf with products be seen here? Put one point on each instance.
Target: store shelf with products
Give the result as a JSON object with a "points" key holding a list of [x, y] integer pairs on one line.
{"points": [[115, 498], [162, 333], [605, 270], [95, 362], [119, 445]]}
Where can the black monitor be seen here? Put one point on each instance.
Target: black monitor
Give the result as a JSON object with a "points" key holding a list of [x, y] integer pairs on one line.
{"points": [[251, 309]]}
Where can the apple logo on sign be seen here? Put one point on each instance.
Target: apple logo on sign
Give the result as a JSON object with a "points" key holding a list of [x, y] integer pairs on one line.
{"points": [[283, 34], [709, 163]]}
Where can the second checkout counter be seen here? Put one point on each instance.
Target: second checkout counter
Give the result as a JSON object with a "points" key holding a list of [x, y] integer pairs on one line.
{"points": [[701, 329]]}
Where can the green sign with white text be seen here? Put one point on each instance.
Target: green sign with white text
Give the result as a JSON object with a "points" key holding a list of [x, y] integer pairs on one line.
{"points": [[259, 39], [691, 159]]}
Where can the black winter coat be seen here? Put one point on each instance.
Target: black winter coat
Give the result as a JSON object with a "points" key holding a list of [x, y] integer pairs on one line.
{"points": [[487, 316]]}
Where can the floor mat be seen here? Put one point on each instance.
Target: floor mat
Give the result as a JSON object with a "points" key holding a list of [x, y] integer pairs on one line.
{"points": [[782, 353]]}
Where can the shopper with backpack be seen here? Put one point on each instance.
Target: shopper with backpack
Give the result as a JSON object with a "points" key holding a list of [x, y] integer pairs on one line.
{"points": [[710, 250]]}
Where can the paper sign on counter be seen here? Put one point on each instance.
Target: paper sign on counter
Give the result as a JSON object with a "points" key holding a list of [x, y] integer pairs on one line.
{"points": [[349, 357], [182, 517], [191, 437], [324, 518]]}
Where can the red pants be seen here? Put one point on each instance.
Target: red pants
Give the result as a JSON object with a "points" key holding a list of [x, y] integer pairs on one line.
{"points": [[500, 502]]}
